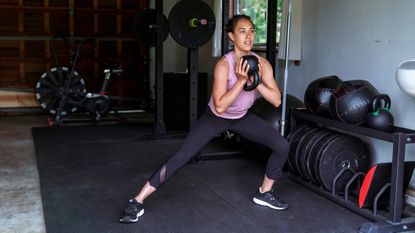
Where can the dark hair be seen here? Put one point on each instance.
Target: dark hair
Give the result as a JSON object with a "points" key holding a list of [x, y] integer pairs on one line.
{"points": [[230, 26]]}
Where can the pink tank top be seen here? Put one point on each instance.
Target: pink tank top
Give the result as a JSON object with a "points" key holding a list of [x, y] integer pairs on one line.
{"points": [[243, 102]]}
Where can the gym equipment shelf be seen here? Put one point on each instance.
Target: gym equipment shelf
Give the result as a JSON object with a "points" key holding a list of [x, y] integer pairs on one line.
{"points": [[399, 137]]}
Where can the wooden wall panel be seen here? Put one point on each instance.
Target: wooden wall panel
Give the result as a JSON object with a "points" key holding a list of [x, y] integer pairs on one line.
{"points": [[132, 4], [84, 4], [107, 4], [9, 72], [127, 22], [84, 23], [9, 49], [107, 49], [107, 24], [34, 22], [9, 2], [33, 69], [34, 49], [130, 49], [59, 21], [10, 21], [28, 25], [58, 3], [33, 3]]}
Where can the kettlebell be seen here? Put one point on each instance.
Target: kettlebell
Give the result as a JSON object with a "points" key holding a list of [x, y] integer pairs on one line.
{"points": [[380, 118], [253, 71]]}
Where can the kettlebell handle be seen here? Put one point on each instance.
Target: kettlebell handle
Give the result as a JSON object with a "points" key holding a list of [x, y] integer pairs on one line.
{"points": [[378, 100], [254, 84]]}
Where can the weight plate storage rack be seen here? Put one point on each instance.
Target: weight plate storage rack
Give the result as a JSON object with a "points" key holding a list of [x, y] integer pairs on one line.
{"points": [[395, 220]]}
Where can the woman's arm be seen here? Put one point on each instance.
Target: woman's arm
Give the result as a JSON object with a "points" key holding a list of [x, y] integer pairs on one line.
{"points": [[222, 98], [268, 87]]}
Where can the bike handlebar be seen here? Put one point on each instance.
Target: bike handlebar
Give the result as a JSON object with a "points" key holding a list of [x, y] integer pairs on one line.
{"points": [[74, 52]]}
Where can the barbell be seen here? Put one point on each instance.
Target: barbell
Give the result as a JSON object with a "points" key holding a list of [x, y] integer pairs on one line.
{"points": [[191, 23]]}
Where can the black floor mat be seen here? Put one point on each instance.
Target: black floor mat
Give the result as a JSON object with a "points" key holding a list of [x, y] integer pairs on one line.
{"points": [[88, 173]]}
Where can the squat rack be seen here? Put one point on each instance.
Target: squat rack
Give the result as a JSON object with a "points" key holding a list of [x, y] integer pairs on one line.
{"points": [[159, 130], [159, 126]]}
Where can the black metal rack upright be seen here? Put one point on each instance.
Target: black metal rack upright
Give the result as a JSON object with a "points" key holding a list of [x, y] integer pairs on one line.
{"points": [[159, 130], [399, 138]]}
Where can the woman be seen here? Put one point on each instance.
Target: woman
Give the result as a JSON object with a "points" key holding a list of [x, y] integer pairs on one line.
{"points": [[228, 110]]}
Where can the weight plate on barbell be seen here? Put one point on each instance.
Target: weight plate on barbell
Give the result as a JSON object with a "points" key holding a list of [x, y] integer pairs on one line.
{"points": [[191, 23], [145, 27]]}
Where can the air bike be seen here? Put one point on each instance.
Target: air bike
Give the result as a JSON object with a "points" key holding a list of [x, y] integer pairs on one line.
{"points": [[61, 90]]}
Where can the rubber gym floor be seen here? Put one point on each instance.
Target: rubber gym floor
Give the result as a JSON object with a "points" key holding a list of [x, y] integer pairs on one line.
{"points": [[87, 173]]}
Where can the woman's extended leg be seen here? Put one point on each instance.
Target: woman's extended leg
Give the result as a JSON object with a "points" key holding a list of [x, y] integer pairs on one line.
{"points": [[204, 130]]}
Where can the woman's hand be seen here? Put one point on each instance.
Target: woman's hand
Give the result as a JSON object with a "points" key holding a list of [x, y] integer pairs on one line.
{"points": [[241, 70]]}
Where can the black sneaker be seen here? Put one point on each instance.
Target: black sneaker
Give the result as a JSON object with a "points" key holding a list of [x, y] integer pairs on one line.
{"points": [[133, 211], [267, 199]]}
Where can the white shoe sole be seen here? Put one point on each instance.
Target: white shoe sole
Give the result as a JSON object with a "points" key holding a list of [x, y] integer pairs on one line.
{"points": [[263, 203], [139, 214]]}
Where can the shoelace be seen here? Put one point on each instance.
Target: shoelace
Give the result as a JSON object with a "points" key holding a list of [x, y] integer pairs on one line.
{"points": [[131, 208], [270, 196]]}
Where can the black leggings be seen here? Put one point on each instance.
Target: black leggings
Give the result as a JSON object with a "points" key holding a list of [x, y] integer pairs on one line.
{"points": [[209, 125]]}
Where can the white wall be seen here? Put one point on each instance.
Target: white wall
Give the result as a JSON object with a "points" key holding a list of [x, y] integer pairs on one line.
{"points": [[359, 39]]}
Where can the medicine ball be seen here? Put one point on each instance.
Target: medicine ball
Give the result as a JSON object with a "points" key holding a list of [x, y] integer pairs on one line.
{"points": [[318, 93], [351, 101], [271, 114]]}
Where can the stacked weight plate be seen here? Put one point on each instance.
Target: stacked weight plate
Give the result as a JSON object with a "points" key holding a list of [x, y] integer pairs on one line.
{"points": [[318, 155]]}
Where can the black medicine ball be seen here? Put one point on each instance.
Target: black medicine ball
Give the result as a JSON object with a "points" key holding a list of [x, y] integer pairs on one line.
{"points": [[351, 102], [318, 93]]}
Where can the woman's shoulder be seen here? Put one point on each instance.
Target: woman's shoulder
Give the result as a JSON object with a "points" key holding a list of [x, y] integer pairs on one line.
{"points": [[262, 59], [223, 60], [222, 63]]}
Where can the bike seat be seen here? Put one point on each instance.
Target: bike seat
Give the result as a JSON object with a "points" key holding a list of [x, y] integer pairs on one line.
{"points": [[112, 68]]}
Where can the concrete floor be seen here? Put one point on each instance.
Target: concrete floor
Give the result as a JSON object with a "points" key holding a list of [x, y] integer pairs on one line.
{"points": [[20, 202]]}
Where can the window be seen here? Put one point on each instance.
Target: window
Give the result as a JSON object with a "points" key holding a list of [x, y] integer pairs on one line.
{"points": [[257, 10]]}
